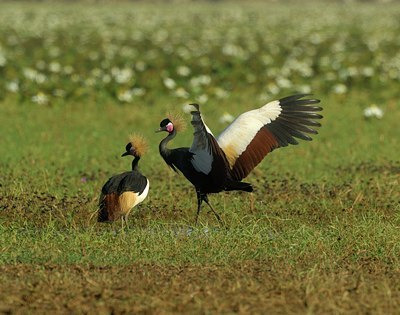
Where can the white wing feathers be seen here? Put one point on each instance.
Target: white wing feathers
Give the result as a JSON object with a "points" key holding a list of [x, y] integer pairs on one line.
{"points": [[201, 147], [233, 140], [237, 136], [254, 134]]}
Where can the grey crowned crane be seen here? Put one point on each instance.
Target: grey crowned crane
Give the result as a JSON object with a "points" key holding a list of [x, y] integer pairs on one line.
{"points": [[219, 164], [124, 191]]}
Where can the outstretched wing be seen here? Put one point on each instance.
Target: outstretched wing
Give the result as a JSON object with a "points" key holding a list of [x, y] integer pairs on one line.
{"points": [[207, 156], [255, 133]]}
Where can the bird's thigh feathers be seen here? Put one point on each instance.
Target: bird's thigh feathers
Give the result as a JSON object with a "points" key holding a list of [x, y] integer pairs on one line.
{"points": [[113, 206], [127, 201]]}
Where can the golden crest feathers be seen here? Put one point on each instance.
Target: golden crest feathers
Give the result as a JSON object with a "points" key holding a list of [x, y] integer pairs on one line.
{"points": [[177, 120], [138, 143]]}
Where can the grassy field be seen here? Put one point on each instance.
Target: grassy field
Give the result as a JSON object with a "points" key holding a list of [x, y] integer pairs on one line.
{"points": [[320, 233]]}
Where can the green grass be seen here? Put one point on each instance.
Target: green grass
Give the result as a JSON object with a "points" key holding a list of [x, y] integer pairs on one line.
{"points": [[322, 211], [329, 201]]}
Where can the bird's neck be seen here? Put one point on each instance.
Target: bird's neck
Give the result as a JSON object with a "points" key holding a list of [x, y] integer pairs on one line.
{"points": [[135, 163], [164, 151]]}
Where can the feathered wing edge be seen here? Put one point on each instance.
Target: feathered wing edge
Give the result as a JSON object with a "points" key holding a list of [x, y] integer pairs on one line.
{"points": [[260, 131], [201, 147], [207, 155], [296, 119]]}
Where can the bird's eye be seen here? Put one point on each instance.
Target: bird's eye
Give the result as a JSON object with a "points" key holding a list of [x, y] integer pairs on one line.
{"points": [[164, 122]]}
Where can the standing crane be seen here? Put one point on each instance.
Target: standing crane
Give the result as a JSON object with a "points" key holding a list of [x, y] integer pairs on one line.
{"points": [[219, 164], [122, 192]]}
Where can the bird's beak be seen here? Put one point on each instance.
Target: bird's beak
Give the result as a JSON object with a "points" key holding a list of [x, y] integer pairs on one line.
{"points": [[125, 154], [160, 129]]}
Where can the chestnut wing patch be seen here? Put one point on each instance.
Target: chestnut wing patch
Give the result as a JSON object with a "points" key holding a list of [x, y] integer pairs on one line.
{"points": [[120, 194], [256, 133], [262, 143]]}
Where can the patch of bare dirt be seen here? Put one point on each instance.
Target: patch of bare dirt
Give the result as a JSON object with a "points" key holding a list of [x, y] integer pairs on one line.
{"points": [[253, 287], [30, 207]]}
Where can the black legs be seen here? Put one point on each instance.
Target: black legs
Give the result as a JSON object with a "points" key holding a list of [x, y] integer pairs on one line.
{"points": [[203, 197], [212, 209], [199, 201]]}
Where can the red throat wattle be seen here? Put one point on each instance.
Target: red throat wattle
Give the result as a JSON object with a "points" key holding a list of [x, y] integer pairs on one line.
{"points": [[170, 127]]}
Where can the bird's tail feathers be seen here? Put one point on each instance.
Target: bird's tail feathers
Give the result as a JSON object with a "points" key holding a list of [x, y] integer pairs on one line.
{"points": [[108, 208], [235, 185]]}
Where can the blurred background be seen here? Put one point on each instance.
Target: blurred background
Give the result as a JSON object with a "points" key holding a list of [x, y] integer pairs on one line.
{"points": [[129, 52]]}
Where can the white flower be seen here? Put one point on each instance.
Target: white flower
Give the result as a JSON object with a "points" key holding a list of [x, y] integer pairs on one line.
{"points": [[306, 89], [187, 108], [373, 111], [283, 83], [221, 93], [181, 92], [273, 88], [233, 50], [68, 69], [200, 80], [54, 67], [203, 98], [12, 86], [183, 71], [204, 79], [125, 96], [106, 78], [29, 73], [339, 88], [169, 83], [128, 95], [122, 75], [34, 75], [226, 118], [40, 78], [138, 91], [368, 71], [40, 98]]}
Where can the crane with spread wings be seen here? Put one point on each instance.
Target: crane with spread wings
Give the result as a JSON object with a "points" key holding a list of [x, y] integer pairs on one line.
{"points": [[214, 164]]}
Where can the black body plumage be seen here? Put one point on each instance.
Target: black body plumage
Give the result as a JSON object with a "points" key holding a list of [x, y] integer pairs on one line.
{"points": [[129, 181], [123, 191], [219, 164]]}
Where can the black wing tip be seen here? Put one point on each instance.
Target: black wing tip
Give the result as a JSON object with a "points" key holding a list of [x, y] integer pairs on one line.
{"points": [[299, 98], [297, 117], [294, 97]]}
